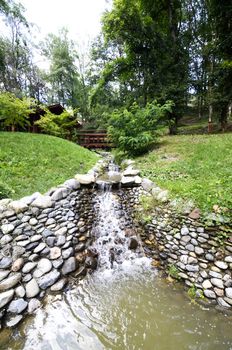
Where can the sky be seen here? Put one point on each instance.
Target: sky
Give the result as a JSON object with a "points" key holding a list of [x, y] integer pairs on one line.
{"points": [[81, 17]]}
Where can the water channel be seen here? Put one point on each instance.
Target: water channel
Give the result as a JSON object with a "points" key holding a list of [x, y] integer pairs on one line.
{"points": [[123, 305]]}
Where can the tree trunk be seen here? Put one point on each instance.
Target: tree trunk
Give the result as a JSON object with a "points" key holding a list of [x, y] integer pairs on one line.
{"points": [[13, 128]]}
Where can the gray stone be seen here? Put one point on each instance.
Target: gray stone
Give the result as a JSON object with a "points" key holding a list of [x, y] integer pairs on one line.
{"points": [[200, 229], [147, 184], [190, 247], [49, 279], [207, 284], [33, 305], [32, 288], [11, 281], [13, 321], [28, 267], [72, 184], [60, 193], [17, 264], [185, 239], [50, 221], [33, 221], [223, 303], [62, 231], [20, 292], [7, 228], [55, 253], [199, 251], [4, 274], [6, 297], [60, 241], [17, 306], [228, 292], [184, 231], [69, 266], [5, 239], [228, 259], [67, 253], [59, 285], [85, 179], [43, 266], [57, 263], [40, 247], [209, 294], [42, 202], [36, 238], [217, 283], [192, 268], [221, 265], [209, 257], [46, 233]]}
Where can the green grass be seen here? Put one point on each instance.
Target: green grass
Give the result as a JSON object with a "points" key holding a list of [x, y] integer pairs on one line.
{"points": [[197, 167], [33, 162]]}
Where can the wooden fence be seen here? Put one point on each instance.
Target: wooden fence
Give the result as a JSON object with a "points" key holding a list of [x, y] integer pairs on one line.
{"points": [[93, 139]]}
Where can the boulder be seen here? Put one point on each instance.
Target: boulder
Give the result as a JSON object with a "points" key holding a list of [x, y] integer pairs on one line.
{"points": [[42, 202], [18, 206], [72, 184], [10, 282], [147, 184], [60, 193], [32, 288], [6, 297], [85, 179], [69, 266], [17, 306]]}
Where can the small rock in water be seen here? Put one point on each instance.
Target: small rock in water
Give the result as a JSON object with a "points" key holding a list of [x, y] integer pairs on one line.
{"points": [[58, 285], [33, 305], [133, 243], [13, 321], [49, 279], [6, 297], [69, 266]]}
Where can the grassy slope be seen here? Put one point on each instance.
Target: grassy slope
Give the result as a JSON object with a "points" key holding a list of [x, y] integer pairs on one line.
{"points": [[33, 162], [197, 167]]}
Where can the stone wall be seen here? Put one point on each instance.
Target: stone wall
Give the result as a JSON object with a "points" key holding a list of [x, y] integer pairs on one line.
{"points": [[199, 256]]}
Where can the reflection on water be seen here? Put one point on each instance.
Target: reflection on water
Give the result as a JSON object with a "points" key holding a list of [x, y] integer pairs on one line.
{"points": [[125, 310]]}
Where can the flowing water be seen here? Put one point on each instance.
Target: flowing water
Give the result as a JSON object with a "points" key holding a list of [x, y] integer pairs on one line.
{"points": [[123, 305]]}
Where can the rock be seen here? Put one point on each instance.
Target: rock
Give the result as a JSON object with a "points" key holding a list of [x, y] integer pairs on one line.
{"points": [[127, 180], [13, 321], [223, 303], [185, 239], [147, 184], [42, 202], [85, 179], [7, 228], [40, 247], [18, 206], [60, 193], [17, 306], [195, 214], [209, 257], [228, 259], [59, 285], [162, 196], [47, 233], [199, 251], [221, 265], [11, 281], [57, 263], [133, 243], [184, 231], [55, 253], [17, 252], [228, 292], [190, 247], [28, 267], [72, 184], [43, 266], [20, 292], [69, 266], [67, 253], [36, 238], [33, 305], [207, 284], [32, 288], [5, 239], [215, 274], [6, 297], [192, 268], [217, 282], [49, 279], [209, 294], [4, 274], [61, 241], [62, 231], [33, 221], [17, 264], [130, 172]]}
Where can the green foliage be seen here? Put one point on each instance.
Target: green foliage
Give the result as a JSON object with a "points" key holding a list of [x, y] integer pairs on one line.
{"points": [[33, 162], [192, 167], [173, 272], [133, 130], [57, 125], [194, 293], [14, 111]]}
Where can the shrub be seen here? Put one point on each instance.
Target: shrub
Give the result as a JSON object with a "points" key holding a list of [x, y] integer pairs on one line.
{"points": [[133, 130]]}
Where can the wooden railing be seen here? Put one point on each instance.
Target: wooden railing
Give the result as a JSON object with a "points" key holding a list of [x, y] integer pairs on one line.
{"points": [[93, 139]]}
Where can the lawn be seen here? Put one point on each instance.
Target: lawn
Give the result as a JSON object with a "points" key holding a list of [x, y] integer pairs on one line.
{"points": [[33, 162], [197, 167]]}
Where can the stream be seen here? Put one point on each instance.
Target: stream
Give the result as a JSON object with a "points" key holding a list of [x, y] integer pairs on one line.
{"points": [[123, 305]]}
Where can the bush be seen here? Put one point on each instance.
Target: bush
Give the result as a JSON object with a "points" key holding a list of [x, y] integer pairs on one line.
{"points": [[133, 130]]}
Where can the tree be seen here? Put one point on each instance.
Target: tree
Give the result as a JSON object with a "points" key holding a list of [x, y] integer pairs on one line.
{"points": [[14, 111], [62, 75]]}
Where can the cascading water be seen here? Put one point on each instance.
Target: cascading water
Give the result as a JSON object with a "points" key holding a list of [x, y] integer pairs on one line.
{"points": [[116, 244]]}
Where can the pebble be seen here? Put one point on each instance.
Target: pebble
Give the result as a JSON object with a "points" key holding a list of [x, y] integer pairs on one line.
{"points": [[6, 297], [55, 253], [221, 265], [17, 306], [32, 288], [11, 281], [49, 279], [69, 266], [209, 294], [44, 265], [28, 267], [217, 282], [17, 264], [33, 305], [207, 284]]}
